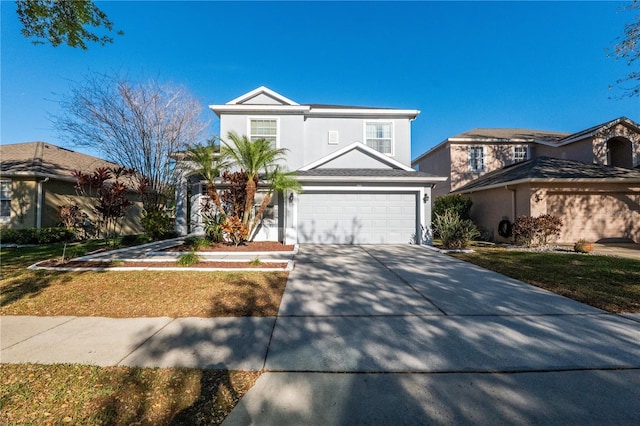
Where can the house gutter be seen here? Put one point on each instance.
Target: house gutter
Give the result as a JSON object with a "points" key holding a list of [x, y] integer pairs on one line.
{"points": [[39, 202], [549, 180], [513, 202]]}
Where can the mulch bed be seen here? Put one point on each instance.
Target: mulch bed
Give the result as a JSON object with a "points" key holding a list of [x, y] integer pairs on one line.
{"points": [[119, 264], [249, 246]]}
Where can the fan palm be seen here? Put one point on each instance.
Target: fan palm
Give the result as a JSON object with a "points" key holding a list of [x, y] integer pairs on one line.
{"points": [[258, 158], [209, 161]]}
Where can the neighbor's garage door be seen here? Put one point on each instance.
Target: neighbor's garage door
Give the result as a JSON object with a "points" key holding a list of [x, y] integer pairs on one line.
{"points": [[596, 216], [356, 217]]}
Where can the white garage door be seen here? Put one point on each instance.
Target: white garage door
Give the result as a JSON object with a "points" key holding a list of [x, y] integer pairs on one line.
{"points": [[357, 217]]}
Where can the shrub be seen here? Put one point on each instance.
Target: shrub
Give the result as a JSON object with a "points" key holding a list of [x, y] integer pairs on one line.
{"points": [[525, 229], [134, 240], [582, 246], [213, 227], [188, 259], [549, 226], [195, 243], [156, 223], [455, 203], [455, 232], [37, 236], [234, 230], [530, 231]]}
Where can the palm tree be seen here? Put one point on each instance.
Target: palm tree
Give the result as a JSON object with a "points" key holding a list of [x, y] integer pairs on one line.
{"points": [[256, 157], [208, 161]]}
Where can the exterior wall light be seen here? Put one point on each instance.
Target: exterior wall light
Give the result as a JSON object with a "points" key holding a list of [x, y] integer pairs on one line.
{"points": [[291, 197], [425, 198]]}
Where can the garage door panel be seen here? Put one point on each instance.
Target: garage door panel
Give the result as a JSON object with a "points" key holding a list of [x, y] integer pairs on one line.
{"points": [[357, 218]]}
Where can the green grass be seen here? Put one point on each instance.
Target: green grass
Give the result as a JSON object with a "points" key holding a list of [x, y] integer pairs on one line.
{"points": [[605, 282]]}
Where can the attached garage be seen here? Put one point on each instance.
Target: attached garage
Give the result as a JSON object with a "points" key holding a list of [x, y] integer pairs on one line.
{"points": [[595, 216], [350, 217]]}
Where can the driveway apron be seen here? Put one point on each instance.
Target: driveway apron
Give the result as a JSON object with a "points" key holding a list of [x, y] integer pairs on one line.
{"points": [[390, 334]]}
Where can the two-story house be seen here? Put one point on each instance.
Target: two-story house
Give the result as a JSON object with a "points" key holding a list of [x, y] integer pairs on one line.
{"points": [[353, 164], [590, 179]]}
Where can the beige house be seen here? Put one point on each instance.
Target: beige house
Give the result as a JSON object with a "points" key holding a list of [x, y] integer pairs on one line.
{"points": [[590, 179], [36, 180]]}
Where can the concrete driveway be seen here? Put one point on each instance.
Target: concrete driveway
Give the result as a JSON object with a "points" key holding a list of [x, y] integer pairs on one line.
{"points": [[404, 335]]}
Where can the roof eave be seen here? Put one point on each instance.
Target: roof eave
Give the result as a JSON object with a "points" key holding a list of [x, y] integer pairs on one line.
{"points": [[548, 180], [373, 179]]}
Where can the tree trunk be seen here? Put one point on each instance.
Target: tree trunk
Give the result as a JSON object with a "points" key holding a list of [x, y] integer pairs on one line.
{"points": [[261, 209], [248, 205], [212, 192]]}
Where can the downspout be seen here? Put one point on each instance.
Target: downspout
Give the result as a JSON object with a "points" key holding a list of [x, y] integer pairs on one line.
{"points": [[513, 202], [39, 202]]}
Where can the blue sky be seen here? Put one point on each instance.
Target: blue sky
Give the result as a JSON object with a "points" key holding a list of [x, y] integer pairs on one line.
{"points": [[539, 65]]}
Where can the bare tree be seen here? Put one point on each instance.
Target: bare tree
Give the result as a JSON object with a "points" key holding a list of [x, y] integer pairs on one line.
{"points": [[136, 125], [628, 49]]}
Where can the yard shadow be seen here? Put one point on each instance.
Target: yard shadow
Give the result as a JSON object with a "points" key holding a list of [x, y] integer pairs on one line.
{"points": [[345, 350], [30, 284]]}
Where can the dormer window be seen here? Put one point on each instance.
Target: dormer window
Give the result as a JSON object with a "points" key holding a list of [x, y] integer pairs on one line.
{"points": [[476, 159], [264, 128], [520, 153], [379, 136]]}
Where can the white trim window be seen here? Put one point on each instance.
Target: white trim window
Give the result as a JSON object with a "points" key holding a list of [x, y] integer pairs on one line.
{"points": [[476, 159], [264, 128], [5, 200], [520, 153], [379, 136]]}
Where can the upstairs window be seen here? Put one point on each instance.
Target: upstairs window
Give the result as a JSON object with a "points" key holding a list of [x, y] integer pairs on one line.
{"points": [[520, 153], [5, 200], [476, 159], [379, 136], [264, 128]]}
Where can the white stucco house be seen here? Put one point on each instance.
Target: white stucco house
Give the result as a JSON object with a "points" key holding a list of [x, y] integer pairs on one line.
{"points": [[354, 164]]}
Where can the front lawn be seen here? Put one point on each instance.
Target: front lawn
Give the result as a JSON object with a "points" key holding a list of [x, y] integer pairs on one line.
{"points": [[81, 394], [605, 282], [132, 294]]}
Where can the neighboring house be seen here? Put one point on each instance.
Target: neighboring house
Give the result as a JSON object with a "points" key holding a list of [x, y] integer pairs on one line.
{"points": [[36, 180], [353, 164], [590, 179]]}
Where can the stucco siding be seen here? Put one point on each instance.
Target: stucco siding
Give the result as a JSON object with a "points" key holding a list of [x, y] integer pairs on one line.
{"points": [[58, 193], [437, 163], [577, 151], [23, 203], [596, 212], [492, 206]]}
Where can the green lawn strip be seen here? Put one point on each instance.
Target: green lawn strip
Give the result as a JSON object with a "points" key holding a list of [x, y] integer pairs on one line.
{"points": [[79, 394], [605, 282]]}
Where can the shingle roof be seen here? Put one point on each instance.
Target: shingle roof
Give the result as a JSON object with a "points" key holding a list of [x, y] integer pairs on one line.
{"points": [[509, 134], [45, 159], [546, 168], [365, 173], [594, 129]]}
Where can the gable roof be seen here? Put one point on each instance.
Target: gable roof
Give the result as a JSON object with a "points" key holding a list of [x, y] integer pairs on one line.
{"points": [[547, 169], [266, 101], [382, 158], [262, 90], [507, 135], [592, 131], [43, 159]]}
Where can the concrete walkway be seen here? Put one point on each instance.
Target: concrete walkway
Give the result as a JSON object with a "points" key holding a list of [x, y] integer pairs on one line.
{"points": [[383, 335]]}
